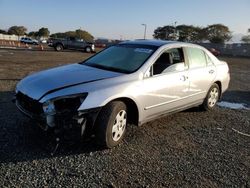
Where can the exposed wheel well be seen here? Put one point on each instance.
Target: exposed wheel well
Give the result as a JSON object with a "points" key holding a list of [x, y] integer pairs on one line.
{"points": [[220, 87], [132, 109]]}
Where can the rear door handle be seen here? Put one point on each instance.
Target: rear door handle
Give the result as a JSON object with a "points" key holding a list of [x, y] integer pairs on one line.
{"points": [[211, 71]]}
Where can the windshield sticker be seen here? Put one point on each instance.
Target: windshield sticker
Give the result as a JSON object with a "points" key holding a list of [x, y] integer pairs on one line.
{"points": [[143, 50]]}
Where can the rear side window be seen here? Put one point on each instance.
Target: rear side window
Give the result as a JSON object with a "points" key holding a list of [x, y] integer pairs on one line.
{"points": [[209, 60], [196, 58]]}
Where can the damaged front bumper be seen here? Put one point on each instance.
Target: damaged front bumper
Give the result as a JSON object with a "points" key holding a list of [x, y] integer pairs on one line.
{"points": [[80, 122]]}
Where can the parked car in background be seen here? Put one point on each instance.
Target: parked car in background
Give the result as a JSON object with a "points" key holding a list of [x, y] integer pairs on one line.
{"points": [[43, 41], [132, 82], [71, 43], [214, 51], [27, 40]]}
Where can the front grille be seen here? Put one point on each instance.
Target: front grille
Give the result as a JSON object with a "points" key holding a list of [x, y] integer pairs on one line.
{"points": [[29, 104]]}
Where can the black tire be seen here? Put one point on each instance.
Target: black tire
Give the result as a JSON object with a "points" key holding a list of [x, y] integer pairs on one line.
{"points": [[88, 49], [59, 47], [212, 98], [107, 123]]}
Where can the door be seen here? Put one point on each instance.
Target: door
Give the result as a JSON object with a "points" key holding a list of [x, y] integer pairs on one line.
{"points": [[165, 84], [201, 73]]}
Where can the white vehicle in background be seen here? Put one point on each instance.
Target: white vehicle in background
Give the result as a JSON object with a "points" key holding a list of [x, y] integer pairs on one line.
{"points": [[131, 82], [43, 41], [27, 40]]}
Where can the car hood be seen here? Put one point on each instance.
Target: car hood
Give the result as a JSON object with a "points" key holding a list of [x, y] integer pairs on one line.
{"points": [[42, 83]]}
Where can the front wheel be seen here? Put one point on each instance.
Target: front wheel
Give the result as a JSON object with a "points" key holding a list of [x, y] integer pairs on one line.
{"points": [[88, 49], [212, 97], [111, 124], [59, 47]]}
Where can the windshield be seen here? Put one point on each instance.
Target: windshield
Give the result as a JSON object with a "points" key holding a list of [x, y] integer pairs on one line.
{"points": [[121, 58]]}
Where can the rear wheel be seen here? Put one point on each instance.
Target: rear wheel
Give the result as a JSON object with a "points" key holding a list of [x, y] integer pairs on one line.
{"points": [[212, 97], [111, 124], [59, 47]]}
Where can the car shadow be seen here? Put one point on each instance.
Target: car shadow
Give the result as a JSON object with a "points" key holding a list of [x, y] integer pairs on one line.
{"points": [[22, 140]]}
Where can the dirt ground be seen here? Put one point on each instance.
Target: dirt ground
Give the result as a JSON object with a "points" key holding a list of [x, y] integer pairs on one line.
{"points": [[190, 148]]}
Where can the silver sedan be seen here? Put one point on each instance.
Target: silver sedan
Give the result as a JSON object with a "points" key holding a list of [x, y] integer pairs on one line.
{"points": [[132, 82]]}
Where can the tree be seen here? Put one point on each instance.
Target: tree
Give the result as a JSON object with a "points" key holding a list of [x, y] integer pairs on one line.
{"points": [[185, 33], [190, 33], [70, 34], [81, 34], [58, 35], [165, 33], [17, 30], [246, 38], [43, 32], [3, 31], [33, 34], [218, 33]]}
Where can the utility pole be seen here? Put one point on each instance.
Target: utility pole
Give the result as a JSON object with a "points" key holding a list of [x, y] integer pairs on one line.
{"points": [[175, 31], [145, 30]]}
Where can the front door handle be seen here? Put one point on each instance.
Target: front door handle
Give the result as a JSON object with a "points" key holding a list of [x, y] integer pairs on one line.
{"points": [[211, 71]]}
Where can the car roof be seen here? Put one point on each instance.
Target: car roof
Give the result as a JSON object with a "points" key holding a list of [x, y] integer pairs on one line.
{"points": [[152, 42], [158, 43]]}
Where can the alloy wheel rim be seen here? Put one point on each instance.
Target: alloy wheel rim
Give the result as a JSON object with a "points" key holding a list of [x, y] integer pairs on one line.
{"points": [[213, 97], [119, 125]]}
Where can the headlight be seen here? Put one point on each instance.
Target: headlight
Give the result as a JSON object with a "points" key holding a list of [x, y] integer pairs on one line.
{"points": [[64, 104], [49, 108]]}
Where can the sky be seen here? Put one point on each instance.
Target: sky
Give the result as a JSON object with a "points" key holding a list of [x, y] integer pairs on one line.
{"points": [[116, 19]]}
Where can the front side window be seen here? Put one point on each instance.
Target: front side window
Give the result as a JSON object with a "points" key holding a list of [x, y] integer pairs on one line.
{"points": [[121, 58], [169, 61], [196, 57]]}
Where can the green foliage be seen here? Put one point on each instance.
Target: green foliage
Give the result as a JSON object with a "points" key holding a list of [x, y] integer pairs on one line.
{"points": [[218, 33], [246, 38], [190, 33], [165, 33], [58, 35], [33, 34], [81, 34], [3, 31], [43, 32], [17, 30]]}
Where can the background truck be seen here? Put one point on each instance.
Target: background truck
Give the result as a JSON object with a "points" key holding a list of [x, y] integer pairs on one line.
{"points": [[71, 43]]}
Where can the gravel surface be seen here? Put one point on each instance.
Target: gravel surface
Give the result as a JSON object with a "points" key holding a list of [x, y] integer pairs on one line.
{"points": [[187, 149]]}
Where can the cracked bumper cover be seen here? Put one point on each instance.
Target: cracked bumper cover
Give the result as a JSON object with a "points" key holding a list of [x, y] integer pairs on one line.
{"points": [[64, 121]]}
